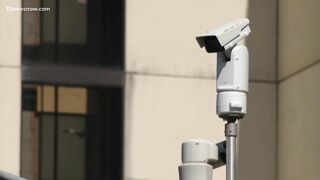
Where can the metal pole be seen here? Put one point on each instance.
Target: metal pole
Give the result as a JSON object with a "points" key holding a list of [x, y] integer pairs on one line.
{"points": [[231, 134], [231, 158]]}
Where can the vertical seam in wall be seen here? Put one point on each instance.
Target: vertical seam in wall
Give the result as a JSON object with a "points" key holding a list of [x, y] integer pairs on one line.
{"points": [[21, 85], [277, 90], [124, 91]]}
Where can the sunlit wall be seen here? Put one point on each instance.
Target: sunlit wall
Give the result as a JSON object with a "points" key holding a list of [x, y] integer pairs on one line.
{"points": [[170, 86]]}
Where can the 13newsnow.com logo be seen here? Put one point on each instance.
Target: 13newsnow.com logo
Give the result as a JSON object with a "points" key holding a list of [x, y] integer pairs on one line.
{"points": [[27, 9]]}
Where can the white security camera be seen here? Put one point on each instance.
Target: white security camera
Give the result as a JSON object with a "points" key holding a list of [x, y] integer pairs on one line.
{"points": [[200, 157], [232, 66], [224, 37]]}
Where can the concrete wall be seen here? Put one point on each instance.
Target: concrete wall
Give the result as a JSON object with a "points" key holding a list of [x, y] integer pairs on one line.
{"points": [[10, 91], [299, 87], [170, 86], [298, 35], [162, 112]]}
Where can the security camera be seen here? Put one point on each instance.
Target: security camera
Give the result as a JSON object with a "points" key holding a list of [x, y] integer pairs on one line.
{"points": [[200, 157], [224, 37], [232, 67]]}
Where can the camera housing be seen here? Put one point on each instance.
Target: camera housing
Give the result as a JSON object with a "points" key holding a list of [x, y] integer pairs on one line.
{"points": [[224, 37], [232, 66]]}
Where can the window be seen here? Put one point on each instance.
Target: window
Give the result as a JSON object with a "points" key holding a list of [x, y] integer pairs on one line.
{"points": [[71, 133], [72, 90], [74, 32]]}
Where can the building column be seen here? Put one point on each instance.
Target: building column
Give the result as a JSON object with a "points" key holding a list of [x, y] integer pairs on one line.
{"points": [[10, 86]]}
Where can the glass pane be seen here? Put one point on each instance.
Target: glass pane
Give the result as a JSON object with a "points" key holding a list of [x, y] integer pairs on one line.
{"points": [[71, 148], [48, 22], [85, 127], [46, 100], [104, 133], [31, 22], [29, 133], [47, 147], [77, 32], [72, 22], [72, 32], [38, 30], [72, 100], [29, 145]]}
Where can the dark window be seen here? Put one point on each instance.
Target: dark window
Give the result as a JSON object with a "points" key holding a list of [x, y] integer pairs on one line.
{"points": [[74, 32], [72, 91], [71, 133]]}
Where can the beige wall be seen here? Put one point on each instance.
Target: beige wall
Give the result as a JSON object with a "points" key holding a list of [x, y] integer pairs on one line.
{"points": [[258, 133], [10, 91], [262, 41], [299, 146], [170, 86], [299, 35], [160, 35], [162, 112], [299, 100], [10, 33]]}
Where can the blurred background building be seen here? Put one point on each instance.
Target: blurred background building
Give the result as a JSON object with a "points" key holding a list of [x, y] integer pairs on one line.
{"points": [[108, 89]]}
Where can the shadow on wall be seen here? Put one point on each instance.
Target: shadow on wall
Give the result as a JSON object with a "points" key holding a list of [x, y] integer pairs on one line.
{"points": [[257, 137], [262, 42]]}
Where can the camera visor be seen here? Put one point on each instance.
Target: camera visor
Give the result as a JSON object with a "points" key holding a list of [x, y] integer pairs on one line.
{"points": [[212, 44]]}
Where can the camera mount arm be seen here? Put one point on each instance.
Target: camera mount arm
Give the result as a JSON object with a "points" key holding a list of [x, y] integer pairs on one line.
{"points": [[200, 157]]}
